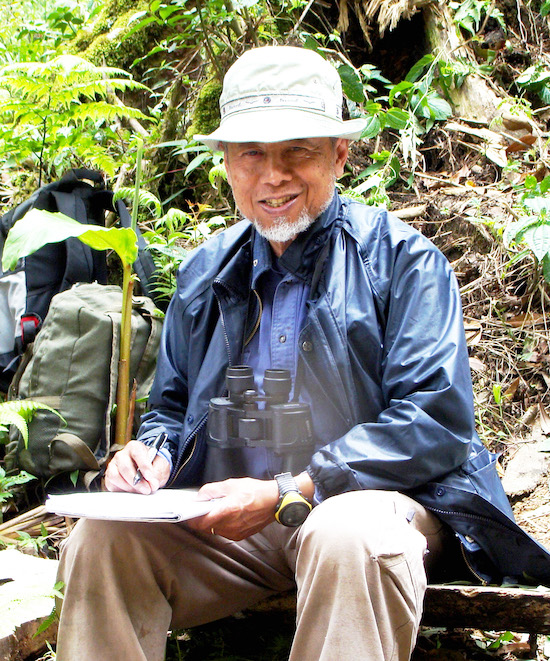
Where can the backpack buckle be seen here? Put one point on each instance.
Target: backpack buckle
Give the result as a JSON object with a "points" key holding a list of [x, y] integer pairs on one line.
{"points": [[30, 324]]}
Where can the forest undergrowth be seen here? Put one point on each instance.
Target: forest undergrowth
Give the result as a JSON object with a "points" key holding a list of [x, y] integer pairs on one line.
{"points": [[477, 187]]}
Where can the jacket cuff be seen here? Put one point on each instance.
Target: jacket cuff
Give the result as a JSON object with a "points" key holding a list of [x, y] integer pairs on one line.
{"points": [[330, 476]]}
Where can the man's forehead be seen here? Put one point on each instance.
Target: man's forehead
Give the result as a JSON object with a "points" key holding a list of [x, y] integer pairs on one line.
{"points": [[266, 145]]}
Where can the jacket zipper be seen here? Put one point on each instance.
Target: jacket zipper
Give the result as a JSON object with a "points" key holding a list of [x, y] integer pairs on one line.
{"points": [[194, 434], [222, 319], [257, 322], [476, 517], [202, 422], [467, 561]]}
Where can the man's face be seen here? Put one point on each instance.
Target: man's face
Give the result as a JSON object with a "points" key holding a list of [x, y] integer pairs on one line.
{"points": [[283, 187]]}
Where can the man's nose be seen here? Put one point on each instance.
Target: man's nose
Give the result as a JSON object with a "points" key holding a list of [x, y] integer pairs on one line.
{"points": [[275, 170]]}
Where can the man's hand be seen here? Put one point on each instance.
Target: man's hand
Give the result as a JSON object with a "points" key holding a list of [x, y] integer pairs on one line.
{"points": [[246, 505], [124, 465]]}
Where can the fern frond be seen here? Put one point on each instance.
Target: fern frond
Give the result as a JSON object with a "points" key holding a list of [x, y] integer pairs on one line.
{"points": [[96, 157], [65, 65], [12, 418], [20, 412], [145, 199], [101, 110], [34, 88], [174, 217], [216, 173], [91, 88]]}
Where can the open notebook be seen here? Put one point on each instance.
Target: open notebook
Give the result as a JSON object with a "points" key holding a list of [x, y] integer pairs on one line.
{"points": [[164, 505]]}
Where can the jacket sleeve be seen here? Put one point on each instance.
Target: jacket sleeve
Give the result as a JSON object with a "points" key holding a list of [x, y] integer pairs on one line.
{"points": [[424, 424]]}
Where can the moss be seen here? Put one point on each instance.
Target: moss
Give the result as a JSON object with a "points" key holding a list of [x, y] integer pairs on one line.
{"points": [[105, 43], [24, 183], [206, 116]]}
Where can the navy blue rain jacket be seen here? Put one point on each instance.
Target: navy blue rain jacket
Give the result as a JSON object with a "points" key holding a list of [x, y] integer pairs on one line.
{"points": [[384, 341]]}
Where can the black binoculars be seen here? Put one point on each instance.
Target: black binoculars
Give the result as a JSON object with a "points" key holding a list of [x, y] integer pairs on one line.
{"points": [[246, 419]]}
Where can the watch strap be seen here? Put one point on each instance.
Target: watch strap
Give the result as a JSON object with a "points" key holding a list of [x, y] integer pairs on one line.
{"points": [[286, 484]]}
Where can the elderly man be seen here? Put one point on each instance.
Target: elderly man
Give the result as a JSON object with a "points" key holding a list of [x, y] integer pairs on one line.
{"points": [[365, 314]]}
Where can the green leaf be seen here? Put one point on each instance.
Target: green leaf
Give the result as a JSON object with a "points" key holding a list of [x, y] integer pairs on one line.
{"points": [[73, 476], [351, 83], [437, 106], [197, 162], [396, 118], [38, 227], [514, 231], [538, 239], [537, 204], [417, 69], [396, 90], [372, 128]]}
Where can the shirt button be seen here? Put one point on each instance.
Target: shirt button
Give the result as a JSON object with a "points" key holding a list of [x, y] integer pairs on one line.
{"points": [[307, 346], [190, 419], [255, 262], [282, 339]]}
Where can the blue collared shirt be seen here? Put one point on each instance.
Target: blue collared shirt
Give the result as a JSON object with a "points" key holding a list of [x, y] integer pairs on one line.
{"points": [[275, 343]]}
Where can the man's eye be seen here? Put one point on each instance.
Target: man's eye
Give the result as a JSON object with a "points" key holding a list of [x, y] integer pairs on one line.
{"points": [[298, 151]]}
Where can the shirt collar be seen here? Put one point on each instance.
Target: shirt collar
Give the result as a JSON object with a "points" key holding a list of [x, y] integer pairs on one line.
{"points": [[300, 256]]}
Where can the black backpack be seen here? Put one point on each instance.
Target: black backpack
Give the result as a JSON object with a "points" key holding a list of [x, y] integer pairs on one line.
{"points": [[26, 292]]}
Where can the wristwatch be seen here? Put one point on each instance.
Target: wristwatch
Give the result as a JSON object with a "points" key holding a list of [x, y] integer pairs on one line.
{"points": [[292, 508]]}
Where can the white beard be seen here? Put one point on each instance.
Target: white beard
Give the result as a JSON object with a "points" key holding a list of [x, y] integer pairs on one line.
{"points": [[283, 230]]}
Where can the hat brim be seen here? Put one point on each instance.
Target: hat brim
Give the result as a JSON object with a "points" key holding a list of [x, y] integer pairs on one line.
{"points": [[278, 125]]}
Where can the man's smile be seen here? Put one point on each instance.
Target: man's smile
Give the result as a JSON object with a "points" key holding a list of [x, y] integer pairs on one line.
{"points": [[275, 202]]}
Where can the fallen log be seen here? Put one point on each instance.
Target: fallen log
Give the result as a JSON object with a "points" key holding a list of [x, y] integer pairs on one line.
{"points": [[465, 607]]}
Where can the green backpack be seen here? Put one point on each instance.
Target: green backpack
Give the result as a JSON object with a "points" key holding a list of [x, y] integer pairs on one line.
{"points": [[72, 367]]}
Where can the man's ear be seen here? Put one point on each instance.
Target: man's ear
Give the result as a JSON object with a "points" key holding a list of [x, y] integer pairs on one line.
{"points": [[341, 150], [223, 147]]}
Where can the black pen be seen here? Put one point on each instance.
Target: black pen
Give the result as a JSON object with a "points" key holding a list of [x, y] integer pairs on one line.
{"points": [[154, 449]]}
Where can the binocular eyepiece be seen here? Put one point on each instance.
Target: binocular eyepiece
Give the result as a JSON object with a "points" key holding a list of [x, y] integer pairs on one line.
{"points": [[240, 380], [247, 419]]}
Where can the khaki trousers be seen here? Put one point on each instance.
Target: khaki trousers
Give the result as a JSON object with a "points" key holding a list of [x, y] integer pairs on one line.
{"points": [[358, 563]]}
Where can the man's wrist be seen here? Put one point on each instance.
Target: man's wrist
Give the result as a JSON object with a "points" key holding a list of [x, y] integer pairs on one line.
{"points": [[306, 485]]}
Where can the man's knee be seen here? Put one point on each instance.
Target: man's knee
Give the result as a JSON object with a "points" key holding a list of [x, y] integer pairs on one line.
{"points": [[374, 523], [92, 541]]}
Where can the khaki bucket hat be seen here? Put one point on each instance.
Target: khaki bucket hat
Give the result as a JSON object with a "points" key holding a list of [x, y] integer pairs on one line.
{"points": [[277, 93]]}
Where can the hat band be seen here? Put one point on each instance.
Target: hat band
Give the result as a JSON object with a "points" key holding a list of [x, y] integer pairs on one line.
{"points": [[295, 101]]}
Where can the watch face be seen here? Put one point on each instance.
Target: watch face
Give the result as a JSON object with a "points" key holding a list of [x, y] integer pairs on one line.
{"points": [[294, 514]]}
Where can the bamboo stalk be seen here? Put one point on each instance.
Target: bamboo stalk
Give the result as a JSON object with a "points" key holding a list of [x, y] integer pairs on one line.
{"points": [[123, 386], [131, 411]]}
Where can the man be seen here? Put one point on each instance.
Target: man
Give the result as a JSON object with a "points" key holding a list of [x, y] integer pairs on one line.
{"points": [[365, 314]]}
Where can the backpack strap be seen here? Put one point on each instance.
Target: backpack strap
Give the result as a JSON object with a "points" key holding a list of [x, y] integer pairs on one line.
{"points": [[78, 446], [79, 265], [83, 174], [144, 265], [144, 375]]}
